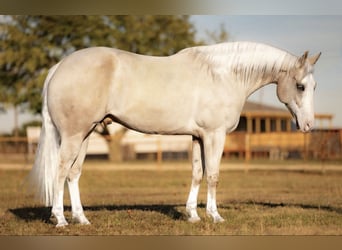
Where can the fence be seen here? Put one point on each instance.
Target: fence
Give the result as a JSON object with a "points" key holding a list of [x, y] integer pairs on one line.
{"points": [[14, 149], [13, 145], [321, 145]]}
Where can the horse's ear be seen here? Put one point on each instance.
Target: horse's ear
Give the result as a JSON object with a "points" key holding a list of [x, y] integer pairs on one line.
{"points": [[314, 59], [301, 61]]}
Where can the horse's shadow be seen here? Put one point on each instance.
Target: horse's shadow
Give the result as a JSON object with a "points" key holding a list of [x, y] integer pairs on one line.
{"points": [[44, 213], [237, 204], [32, 213]]}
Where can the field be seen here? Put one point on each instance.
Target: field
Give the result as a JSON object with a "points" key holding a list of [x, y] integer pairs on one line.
{"points": [[151, 201]]}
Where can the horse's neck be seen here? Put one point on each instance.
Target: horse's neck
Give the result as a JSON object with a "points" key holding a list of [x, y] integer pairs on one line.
{"points": [[256, 82], [250, 65]]}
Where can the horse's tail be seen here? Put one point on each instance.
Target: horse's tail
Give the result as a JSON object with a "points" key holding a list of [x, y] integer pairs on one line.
{"points": [[44, 171]]}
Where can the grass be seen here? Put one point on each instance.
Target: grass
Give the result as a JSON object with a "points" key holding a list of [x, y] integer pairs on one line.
{"points": [[152, 202]]}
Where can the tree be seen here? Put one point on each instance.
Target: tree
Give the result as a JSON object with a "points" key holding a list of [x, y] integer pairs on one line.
{"points": [[30, 45], [18, 74], [154, 35], [218, 37]]}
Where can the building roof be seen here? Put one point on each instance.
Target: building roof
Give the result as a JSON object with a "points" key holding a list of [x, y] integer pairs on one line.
{"points": [[259, 109], [254, 109]]}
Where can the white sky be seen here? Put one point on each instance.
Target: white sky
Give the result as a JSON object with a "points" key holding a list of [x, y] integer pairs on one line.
{"points": [[296, 33]]}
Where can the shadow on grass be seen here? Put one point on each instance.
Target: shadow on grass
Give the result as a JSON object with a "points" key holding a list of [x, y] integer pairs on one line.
{"points": [[281, 204], [44, 213], [33, 213], [166, 209]]}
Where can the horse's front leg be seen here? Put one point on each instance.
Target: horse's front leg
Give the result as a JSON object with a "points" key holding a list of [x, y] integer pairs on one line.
{"points": [[213, 143], [197, 175]]}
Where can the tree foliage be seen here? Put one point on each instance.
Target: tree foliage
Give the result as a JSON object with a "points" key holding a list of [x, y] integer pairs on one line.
{"points": [[220, 36], [30, 45]]}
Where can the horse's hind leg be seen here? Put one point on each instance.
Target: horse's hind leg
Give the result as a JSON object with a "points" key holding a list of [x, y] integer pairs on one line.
{"points": [[73, 178], [69, 150]]}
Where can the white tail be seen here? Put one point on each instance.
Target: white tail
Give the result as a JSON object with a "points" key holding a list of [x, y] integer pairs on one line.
{"points": [[44, 171]]}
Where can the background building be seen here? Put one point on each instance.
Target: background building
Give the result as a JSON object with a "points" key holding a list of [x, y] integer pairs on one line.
{"points": [[263, 132], [268, 132]]}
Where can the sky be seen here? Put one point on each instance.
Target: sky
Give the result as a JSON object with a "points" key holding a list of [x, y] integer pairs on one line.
{"points": [[294, 33]]}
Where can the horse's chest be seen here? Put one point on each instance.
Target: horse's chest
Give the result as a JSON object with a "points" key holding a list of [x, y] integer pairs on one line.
{"points": [[218, 115]]}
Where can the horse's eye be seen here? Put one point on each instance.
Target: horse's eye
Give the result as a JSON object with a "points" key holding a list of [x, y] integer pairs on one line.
{"points": [[300, 87]]}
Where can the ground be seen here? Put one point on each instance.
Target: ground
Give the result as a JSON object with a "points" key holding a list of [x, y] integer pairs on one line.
{"points": [[149, 199]]}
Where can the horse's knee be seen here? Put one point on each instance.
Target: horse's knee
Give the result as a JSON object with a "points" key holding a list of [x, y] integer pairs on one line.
{"points": [[213, 179], [197, 179]]}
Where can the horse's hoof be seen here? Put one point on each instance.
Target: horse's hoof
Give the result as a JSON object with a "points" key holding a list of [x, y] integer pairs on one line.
{"points": [[87, 222], [62, 224], [194, 219], [80, 220], [218, 219]]}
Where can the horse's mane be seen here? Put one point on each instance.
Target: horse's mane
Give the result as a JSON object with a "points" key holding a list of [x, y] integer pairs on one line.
{"points": [[246, 60]]}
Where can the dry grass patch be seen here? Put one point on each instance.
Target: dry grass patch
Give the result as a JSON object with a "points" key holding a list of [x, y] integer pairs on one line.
{"points": [[146, 202]]}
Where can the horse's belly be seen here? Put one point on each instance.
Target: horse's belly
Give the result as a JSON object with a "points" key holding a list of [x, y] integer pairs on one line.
{"points": [[162, 107], [156, 119]]}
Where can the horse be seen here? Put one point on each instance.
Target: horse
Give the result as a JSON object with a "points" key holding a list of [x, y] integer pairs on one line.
{"points": [[199, 91]]}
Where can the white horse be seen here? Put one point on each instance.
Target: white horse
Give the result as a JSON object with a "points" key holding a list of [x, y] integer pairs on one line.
{"points": [[199, 91]]}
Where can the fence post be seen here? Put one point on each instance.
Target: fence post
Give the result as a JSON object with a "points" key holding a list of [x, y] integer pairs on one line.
{"points": [[159, 152], [306, 146], [247, 147]]}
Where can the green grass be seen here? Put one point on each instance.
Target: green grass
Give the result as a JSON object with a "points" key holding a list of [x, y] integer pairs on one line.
{"points": [[152, 202]]}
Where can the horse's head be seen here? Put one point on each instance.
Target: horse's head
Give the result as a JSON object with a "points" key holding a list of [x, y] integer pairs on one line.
{"points": [[296, 88]]}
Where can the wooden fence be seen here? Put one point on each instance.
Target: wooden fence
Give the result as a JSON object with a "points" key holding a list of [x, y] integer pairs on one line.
{"points": [[320, 145], [13, 145]]}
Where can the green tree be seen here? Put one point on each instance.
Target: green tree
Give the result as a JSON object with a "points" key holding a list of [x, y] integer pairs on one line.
{"points": [[220, 36], [154, 35], [30, 45], [19, 74]]}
